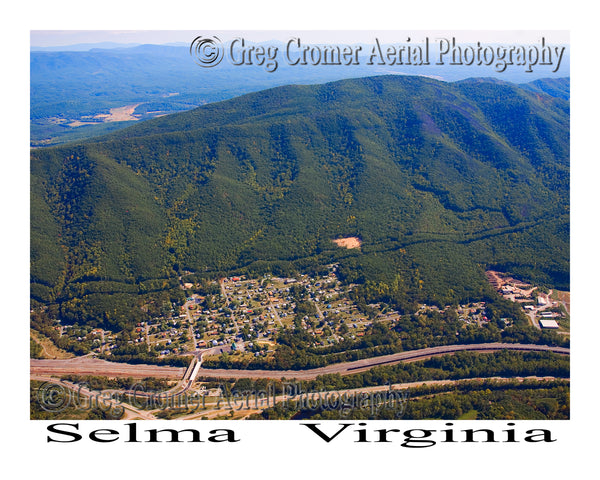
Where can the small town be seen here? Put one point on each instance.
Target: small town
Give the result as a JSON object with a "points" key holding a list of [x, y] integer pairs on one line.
{"points": [[247, 314]]}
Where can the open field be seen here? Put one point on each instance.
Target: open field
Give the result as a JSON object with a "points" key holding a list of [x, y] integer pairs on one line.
{"points": [[93, 366], [49, 350], [120, 114]]}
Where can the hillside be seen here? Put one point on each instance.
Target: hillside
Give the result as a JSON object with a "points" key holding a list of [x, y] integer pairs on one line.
{"points": [[74, 92], [438, 180]]}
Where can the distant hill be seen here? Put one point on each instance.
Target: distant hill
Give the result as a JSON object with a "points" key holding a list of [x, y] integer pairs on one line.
{"points": [[82, 47], [69, 89], [75, 86], [438, 180], [559, 87]]}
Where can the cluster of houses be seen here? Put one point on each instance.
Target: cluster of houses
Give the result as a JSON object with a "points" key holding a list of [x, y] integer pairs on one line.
{"points": [[248, 313]]}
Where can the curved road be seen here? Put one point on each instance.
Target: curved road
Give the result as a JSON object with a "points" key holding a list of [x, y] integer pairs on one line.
{"points": [[357, 366], [92, 366]]}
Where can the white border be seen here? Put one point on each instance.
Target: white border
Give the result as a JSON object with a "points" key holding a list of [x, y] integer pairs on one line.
{"points": [[279, 449]]}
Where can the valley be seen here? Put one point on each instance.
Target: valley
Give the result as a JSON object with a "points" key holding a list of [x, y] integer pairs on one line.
{"points": [[385, 224]]}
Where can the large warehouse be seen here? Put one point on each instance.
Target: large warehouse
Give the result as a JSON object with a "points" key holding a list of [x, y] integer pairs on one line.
{"points": [[546, 323]]}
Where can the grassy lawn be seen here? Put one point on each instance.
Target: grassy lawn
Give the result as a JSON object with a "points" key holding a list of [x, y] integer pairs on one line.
{"points": [[470, 415], [49, 350]]}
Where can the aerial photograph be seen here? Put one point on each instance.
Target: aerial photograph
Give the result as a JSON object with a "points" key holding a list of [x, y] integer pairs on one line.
{"points": [[302, 225]]}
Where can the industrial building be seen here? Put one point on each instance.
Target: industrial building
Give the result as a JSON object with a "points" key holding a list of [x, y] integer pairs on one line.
{"points": [[546, 323]]}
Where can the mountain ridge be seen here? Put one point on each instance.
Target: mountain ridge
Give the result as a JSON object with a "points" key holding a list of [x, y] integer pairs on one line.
{"points": [[437, 180], [72, 91]]}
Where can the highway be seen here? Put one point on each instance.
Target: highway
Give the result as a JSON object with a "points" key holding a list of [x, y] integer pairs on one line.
{"points": [[93, 366], [252, 404], [347, 368]]}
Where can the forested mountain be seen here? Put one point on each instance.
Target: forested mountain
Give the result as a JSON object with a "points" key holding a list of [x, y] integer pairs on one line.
{"points": [[557, 87], [438, 180], [73, 93]]}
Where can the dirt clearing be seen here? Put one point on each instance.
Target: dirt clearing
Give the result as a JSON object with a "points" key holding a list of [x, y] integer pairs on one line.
{"points": [[348, 242], [120, 114]]}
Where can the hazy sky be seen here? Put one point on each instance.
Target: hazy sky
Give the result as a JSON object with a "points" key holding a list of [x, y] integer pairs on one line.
{"points": [[45, 38]]}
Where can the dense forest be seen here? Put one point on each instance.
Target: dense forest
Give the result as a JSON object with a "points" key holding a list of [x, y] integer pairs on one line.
{"points": [[71, 89], [438, 180], [489, 400]]}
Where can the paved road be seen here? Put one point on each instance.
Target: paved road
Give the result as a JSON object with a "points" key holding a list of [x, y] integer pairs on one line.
{"points": [[249, 405], [357, 366], [532, 319], [96, 399], [274, 310], [92, 366], [233, 317]]}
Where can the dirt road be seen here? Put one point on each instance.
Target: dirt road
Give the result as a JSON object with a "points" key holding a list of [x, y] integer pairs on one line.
{"points": [[95, 366]]}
